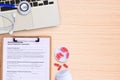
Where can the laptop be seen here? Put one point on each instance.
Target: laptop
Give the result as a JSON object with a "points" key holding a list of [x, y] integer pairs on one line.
{"points": [[30, 14]]}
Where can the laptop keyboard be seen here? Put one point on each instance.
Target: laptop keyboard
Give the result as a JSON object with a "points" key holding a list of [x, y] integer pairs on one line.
{"points": [[33, 3]]}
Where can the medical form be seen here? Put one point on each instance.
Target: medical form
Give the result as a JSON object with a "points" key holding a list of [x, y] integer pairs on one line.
{"points": [[26, 58]]}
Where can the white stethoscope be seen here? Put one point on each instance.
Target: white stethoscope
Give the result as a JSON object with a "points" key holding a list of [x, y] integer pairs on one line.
{"points": [[24, 8]]}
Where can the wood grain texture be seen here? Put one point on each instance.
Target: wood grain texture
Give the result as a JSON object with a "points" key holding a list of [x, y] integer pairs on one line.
{"points": [[90, 29]]}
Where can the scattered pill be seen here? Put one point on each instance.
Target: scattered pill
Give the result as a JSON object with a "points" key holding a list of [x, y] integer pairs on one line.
{"points": [[55, 64], [59, 68], [65, 65]]}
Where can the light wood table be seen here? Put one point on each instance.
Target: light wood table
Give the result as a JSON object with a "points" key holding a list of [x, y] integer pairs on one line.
{"points": [[90, 29]]}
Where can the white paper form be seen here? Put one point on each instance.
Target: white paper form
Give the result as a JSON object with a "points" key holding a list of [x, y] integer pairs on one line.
{"points": [[26, 59]]}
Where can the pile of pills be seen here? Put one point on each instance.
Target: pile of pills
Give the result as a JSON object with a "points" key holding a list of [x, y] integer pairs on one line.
{"points": [[62, 54]]}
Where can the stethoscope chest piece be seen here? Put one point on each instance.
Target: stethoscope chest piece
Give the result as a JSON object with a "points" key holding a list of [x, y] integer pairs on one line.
{"points": [[24, 7]]}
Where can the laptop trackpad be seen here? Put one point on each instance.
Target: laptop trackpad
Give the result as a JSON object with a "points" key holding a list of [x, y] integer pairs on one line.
{"points": [[23, 21]]}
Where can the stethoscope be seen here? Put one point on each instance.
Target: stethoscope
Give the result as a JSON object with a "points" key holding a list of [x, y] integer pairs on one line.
{"points": [[24, 8]]}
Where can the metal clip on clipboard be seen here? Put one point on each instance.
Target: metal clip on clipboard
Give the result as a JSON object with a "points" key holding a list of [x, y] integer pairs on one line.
{"points": [[37, 40]]}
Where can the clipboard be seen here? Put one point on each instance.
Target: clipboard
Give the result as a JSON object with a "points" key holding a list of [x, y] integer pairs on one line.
{"points": [[19, 41]]}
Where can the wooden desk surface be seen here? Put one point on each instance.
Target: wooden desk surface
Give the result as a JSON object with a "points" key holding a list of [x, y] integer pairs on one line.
{"points": [[91, 31]]}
